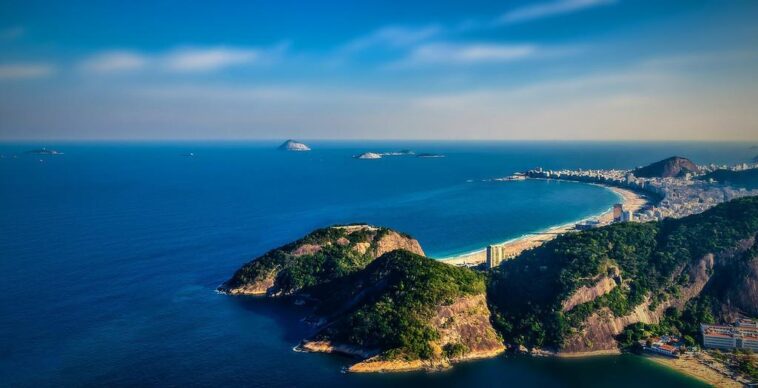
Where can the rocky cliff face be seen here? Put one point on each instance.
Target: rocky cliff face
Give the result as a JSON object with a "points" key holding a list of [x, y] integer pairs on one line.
{"points": [[674, 166], [405, 312], [736, 280], [464, 333], [320, 257], [599, 331], [586, 294], [745, 293]]}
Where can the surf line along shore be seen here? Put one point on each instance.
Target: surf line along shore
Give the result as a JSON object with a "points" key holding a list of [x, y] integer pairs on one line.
{"points": [[632, 201]]}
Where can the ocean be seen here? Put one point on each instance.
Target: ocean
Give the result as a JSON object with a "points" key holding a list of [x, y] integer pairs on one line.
{"points": [[111, 252]]}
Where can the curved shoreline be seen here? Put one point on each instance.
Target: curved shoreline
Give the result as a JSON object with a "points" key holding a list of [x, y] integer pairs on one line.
{"points": [[632, 201]]}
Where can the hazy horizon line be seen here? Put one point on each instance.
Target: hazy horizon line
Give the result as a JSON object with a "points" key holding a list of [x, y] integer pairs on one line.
{"points": [[373, 140]]}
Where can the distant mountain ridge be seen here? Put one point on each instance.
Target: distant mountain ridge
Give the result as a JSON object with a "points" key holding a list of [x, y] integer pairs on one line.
{"points": [[675, 166], [746, 178]]}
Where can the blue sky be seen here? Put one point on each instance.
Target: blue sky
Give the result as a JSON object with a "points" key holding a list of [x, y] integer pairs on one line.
{"points": [[546, 69]]}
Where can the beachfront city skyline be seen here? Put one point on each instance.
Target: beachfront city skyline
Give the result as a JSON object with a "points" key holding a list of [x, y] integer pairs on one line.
{"points": [[548, 69]]}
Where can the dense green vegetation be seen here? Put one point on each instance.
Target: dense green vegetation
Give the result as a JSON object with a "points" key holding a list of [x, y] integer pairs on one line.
{"points": [[747, 178], [332, 261], [527, 293], [393, 299]]}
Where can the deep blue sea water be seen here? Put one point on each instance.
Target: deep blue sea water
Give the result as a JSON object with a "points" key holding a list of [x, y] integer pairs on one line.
{"points": [[110, 253]]}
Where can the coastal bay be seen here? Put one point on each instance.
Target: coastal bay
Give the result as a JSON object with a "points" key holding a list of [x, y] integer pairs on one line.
{"points": [[631, 200]]}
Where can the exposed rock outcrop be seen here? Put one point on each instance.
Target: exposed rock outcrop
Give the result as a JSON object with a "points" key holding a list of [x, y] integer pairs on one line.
{"points": [[466, 322], [463, 325], [329, 347], [589, 293], [263, 285], [392, 240], [601, 328]]}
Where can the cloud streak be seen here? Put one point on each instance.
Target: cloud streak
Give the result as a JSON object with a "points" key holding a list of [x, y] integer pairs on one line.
{"points": [[466, 54], [115, 61], [180, 60], [545, 10], [424, 40], [394, 37], [209, 59]]}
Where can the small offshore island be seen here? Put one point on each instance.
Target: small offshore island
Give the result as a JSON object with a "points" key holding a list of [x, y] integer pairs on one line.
{"points": [[618, 287], [406, 152], [294, 146]]}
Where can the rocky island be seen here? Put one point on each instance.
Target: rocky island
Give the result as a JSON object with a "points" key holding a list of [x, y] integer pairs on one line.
{"points": [[376, 297], [292, 145], [369, 155]]}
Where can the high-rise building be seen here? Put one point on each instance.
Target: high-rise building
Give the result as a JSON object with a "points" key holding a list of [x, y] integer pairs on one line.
{"points": [[494, 255], [618, 210]]}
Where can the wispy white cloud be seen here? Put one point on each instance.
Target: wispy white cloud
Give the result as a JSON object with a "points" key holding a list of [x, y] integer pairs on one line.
{"points": [[544, 10], [180, 60], [466, 54], [471, 53], [11, 71], [424, 40], [115, 61], [12, 33], [209, 59], [394, 37]]}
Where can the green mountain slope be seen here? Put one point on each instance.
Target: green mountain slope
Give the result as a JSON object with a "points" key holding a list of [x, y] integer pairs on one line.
{"points": [[580, 290]]}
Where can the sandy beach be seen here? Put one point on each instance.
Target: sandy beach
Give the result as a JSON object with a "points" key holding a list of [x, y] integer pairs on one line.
{"points": [[691, 366], [631, 200]]}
